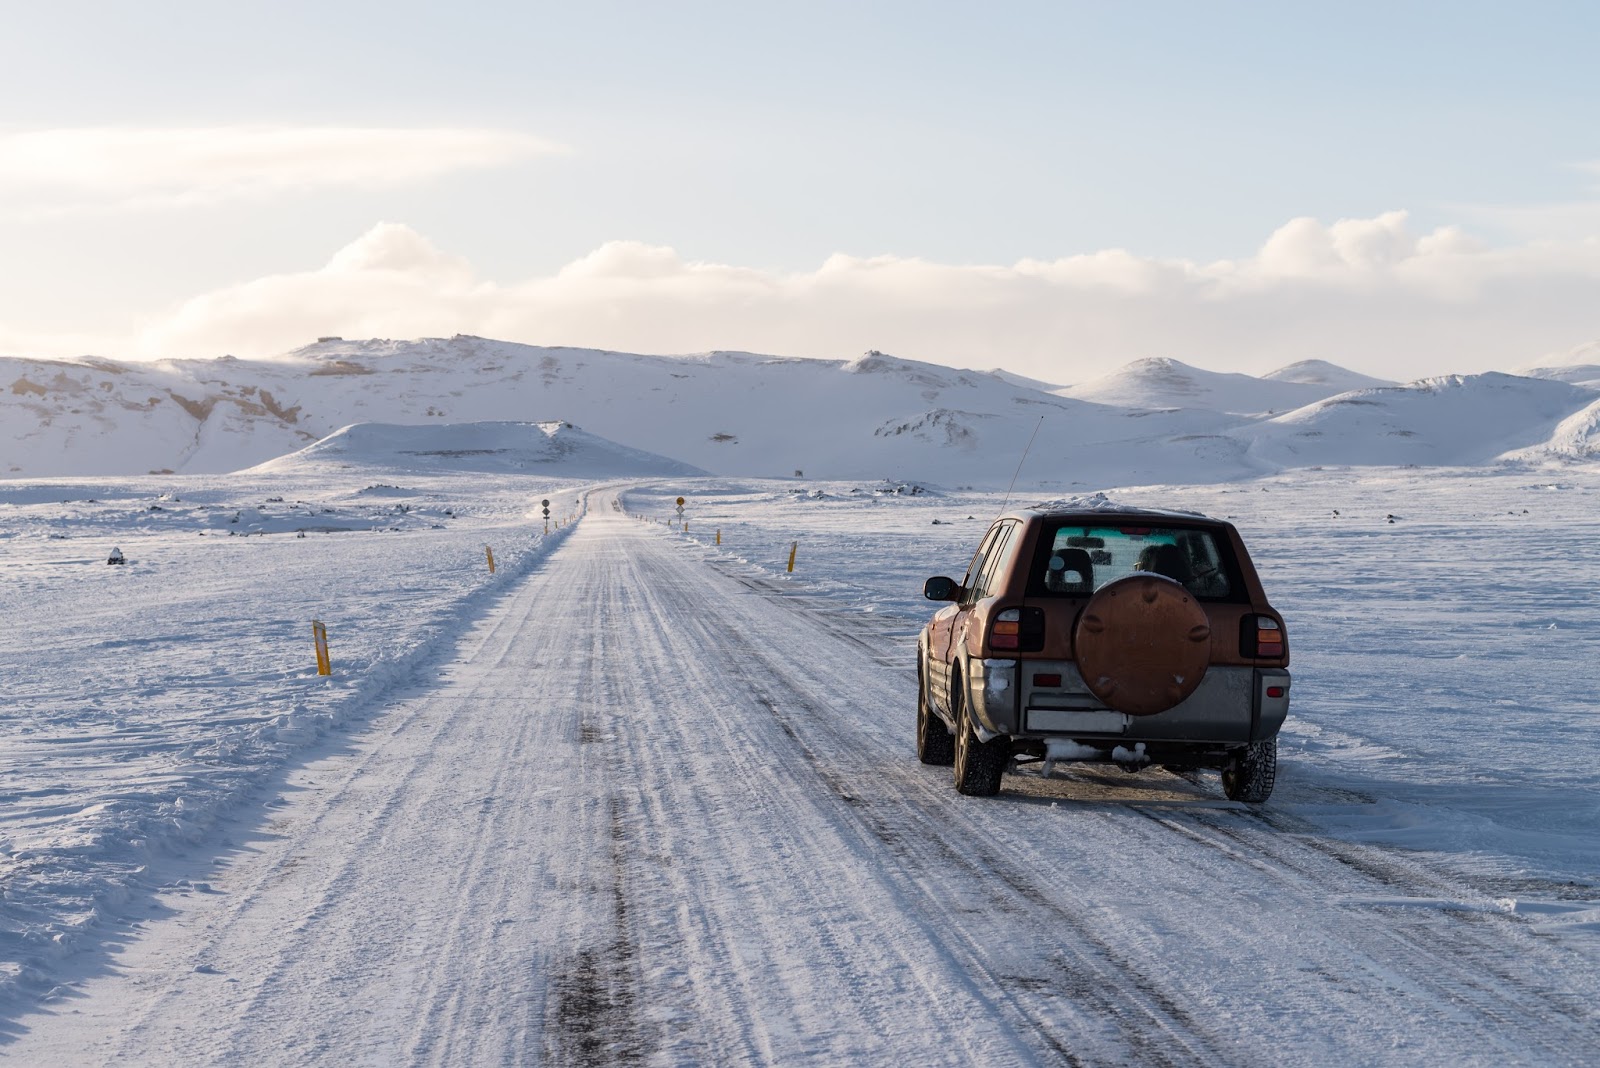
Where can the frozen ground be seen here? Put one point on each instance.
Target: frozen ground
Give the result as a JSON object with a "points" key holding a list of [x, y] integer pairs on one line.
{"points": [[641, 798]]}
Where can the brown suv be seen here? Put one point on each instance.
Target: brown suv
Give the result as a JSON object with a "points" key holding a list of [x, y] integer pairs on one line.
{"points": [[1097, 632]]}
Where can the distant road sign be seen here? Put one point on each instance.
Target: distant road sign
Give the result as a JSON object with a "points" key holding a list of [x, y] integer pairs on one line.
{"points": [[545, 502], [680, 502]]}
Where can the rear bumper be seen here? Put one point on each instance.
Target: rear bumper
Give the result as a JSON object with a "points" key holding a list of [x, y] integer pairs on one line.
{"points": [[1231, 706]]}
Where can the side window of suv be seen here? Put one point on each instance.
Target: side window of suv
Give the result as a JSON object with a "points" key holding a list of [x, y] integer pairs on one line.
{"points": [[979, 558], [1000, 548]]}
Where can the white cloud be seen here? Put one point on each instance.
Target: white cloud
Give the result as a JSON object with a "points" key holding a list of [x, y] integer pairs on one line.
{"points": [[1350, 250], [393, 247], [98, 166], [1365, 293]]}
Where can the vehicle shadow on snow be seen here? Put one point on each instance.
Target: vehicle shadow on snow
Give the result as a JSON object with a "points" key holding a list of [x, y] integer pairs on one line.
{"points": [[1501, 841], [1093, 784]]}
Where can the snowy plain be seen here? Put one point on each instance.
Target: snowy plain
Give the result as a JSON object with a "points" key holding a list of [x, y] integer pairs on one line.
{"points": [[643, 796], [640, 797]]}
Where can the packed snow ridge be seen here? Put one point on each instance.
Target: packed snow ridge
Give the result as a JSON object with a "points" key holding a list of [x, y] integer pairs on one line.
{"points": [[751, 415]]}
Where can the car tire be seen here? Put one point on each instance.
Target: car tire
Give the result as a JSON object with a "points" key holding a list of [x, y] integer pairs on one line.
{"points": [[978, 765], [1250, 775], [935, 744]]}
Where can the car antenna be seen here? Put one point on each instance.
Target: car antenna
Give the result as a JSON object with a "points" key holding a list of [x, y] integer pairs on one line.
{"points": [[1020, 462]]}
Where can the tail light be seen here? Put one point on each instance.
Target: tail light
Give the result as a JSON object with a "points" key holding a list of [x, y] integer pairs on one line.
{"points": [[1261, 637], [1017, 630]]}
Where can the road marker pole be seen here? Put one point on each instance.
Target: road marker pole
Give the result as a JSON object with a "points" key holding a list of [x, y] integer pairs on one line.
{"points": [[719, 535], [490, 554], [793, 546], [319, 635]]}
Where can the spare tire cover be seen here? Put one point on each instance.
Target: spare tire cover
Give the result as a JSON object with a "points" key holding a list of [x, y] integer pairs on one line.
{"points": [[1143, 644]]}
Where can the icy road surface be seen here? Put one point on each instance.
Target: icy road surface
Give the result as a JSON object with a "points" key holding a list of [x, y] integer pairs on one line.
{"points": [[660, 811]]}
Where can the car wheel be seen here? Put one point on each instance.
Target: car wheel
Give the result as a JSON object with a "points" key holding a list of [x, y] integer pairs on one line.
{"points": [[978, 765], [1249, 776], [935, 744]]}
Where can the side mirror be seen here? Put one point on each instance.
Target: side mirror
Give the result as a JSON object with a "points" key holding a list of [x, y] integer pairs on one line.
{"points": [[940, 588]]}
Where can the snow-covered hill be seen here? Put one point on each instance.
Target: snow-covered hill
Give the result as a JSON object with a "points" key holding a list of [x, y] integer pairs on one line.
{"points": [[1325, 375], [102, 417], [1580, 366], [1577, 437], [1164, 383], [558, 447], [1455, 420], [743, 414]]}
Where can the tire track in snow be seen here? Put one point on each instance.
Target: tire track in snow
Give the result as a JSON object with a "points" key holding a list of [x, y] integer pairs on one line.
{"points": [[434, 1001], [731, 791], [1149, 1023], [590, 1015]]}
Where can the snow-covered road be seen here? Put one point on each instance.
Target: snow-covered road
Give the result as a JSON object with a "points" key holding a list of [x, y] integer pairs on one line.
{"points": [[663, 810]]}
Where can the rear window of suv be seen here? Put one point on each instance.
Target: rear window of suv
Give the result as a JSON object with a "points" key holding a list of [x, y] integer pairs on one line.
{"points": [[1074, 559]]}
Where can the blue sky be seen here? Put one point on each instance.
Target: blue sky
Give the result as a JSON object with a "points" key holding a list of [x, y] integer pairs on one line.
{"points": [[769, 138]]}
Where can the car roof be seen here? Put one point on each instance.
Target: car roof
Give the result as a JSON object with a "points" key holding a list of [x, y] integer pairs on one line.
{"points": [[1098, 507]]}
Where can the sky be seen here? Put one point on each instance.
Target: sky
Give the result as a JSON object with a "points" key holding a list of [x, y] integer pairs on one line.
{"points": [[1405, 189]]}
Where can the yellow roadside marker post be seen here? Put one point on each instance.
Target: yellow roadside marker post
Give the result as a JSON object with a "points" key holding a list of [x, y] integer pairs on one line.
{"points": [[490, 554], [319, 635], [719, 535], [793, 545]]}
